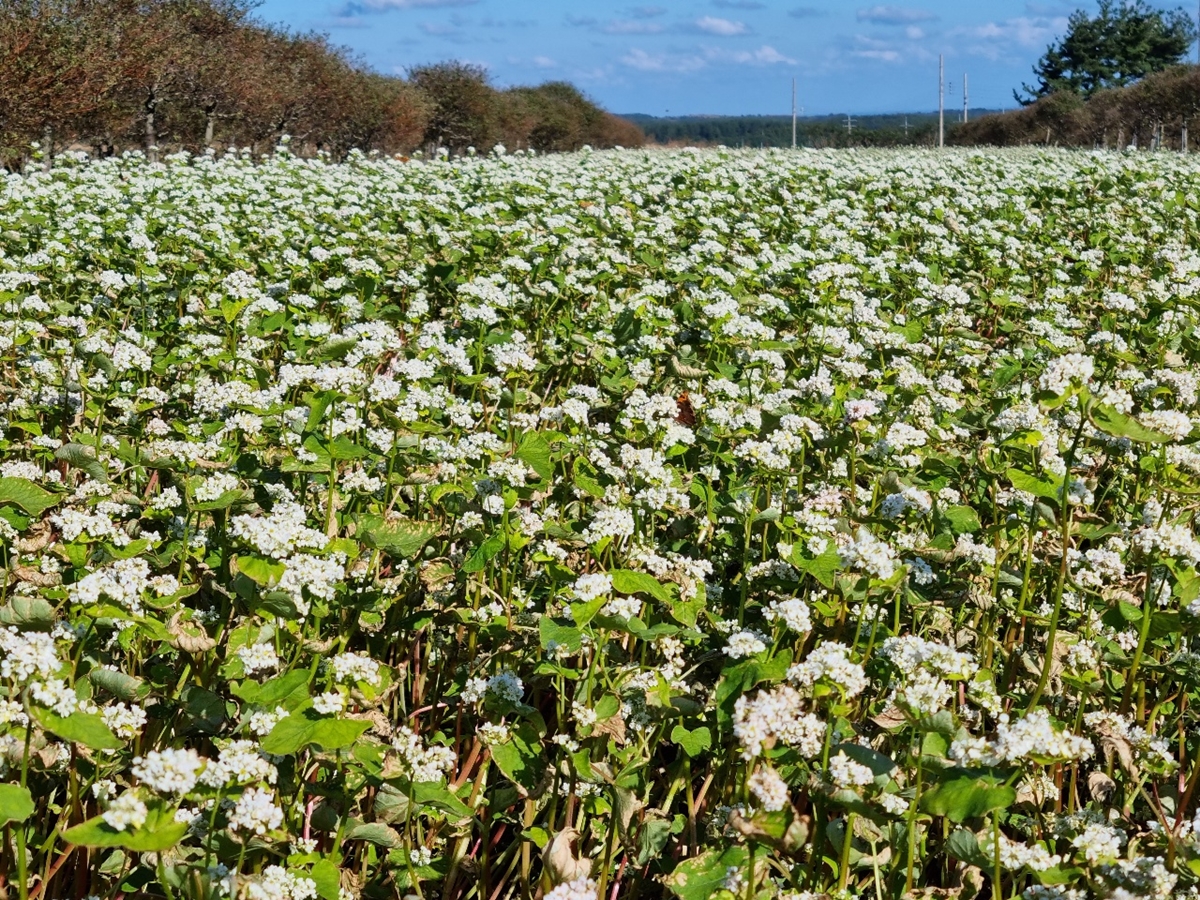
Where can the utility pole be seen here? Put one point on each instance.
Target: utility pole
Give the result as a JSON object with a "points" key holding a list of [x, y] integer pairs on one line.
{"points": [[941, 100], [964, 98], [906, 128], [849, 124], [793, 113]]}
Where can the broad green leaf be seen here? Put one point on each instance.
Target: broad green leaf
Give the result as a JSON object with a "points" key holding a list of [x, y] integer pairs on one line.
{"points": [[274, 692], [967, 795], [520, 757], [82, 728], [626, 581], [399, 538], [120, 684], [301, 729], [1032, 484], [1112, 421], [534, 451], [962, 519], [83, 457], [375, 833], [559, 635], [159, 832], [28, 612], [16, 803], [484, 553], [824, 568], [27, 495], [334, 734], [260, 570], [436, 795], [328, 879], [693, 742], [701, 877]]}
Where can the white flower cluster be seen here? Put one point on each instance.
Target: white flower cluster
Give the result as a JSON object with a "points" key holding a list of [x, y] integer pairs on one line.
{"points": [[829, 664], [776, 715], [1033, 738]]}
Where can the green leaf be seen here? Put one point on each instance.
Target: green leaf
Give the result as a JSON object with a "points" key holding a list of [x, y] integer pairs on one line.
{"points": [[16, 803], [81, 728], [1116, 423], [335, 348], [1032, 484], [693, 742], [436, 795], [119, 684], [520, 757], [561, 635], [328, 879], [534, 451], [582, 613], [83, 457], [301, 729], [626, 581], [28, 612], [375, 833], [962, 844], [967, 795], [260, 570], [25, 494], [824, 568], [962, 519], [399, 538], [484, 553], [334, 734], [274, 692], [159, 832], [701, 877]]}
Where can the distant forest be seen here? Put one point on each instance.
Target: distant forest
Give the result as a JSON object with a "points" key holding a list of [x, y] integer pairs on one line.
{"points": [[911, 129]]}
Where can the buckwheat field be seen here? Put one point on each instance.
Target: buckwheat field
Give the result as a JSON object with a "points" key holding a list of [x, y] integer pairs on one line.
{"points": [[669, 524]]}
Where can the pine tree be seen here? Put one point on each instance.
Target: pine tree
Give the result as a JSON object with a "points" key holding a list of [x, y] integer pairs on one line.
{"points": [[1121, 44]]}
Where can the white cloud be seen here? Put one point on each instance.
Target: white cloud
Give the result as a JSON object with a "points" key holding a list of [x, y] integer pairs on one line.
{"points": [[720, 27], [545, 62], [356, 7], [889, 56], [913, 33], [1025, 31], [894, 15], [766, 55], [662, 62]]}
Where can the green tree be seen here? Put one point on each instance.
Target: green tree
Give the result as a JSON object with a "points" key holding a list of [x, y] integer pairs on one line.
{"points": [[1122, 43]]}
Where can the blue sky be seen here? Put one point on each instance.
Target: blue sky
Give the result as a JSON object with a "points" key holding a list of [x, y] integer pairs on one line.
{"points": [[710, 56]]}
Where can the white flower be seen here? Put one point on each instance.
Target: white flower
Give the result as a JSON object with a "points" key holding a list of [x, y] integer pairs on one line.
{"points": [[769, 788], [258, 658], [169, 771], [256, 812], [579, 889], [127, 811], [330, 703], [846, 773]]}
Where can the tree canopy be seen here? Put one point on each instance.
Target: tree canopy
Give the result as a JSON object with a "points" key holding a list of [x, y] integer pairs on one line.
{"points": [[1122, 43], [165, 75]]}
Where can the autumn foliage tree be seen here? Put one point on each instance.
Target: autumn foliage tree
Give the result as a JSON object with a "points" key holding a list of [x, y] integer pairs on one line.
{"points": [[165, 75]]}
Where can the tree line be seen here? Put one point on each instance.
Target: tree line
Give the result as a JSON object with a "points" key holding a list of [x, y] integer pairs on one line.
{"points": [[1114, 79], [162, 75], [1152, 113], [885, 130]]}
